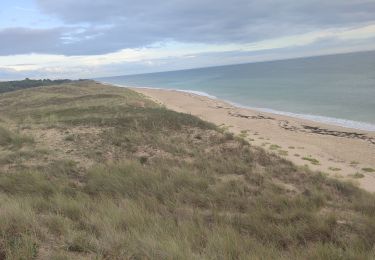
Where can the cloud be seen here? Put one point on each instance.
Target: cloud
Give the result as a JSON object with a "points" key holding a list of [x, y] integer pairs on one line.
{"points": [[166, 59], [27, 40], [210, 13], [105, 26], [108, 37]]}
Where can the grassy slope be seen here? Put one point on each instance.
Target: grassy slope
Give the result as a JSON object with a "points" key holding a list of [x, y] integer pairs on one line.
{"points": [[90, 171], [8, 86]]}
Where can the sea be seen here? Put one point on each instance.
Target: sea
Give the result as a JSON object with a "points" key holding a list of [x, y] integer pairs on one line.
{"points": [[335, 89]]}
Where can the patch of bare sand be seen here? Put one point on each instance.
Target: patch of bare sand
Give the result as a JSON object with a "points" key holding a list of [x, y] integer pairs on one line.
{"points": [[58, 146], [337, 151]]}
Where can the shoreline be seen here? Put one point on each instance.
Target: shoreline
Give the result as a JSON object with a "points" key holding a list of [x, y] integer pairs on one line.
{"points": [[333, 121], [337, 151]]}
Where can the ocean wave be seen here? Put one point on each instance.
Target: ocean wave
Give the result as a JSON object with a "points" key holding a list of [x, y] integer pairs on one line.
{"points": [[195, 92], [315, 118]]}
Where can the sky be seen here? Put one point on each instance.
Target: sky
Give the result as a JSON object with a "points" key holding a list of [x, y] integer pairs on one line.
{"points": [[97, 38]]}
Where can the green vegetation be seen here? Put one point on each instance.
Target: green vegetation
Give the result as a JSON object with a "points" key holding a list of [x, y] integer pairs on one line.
{"points": [[357, 175], [334, 169], [368, 169], [13, 140], [70, 138], [97, 172], [274, 147], [8, 86], [283, 152], [243, 134], [311, 160]]}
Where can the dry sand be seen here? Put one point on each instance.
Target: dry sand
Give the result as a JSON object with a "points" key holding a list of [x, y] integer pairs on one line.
{"points": [[340, 152]]}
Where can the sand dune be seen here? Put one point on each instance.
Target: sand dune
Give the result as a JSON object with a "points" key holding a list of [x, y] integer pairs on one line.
{"points": [[340, 152]]}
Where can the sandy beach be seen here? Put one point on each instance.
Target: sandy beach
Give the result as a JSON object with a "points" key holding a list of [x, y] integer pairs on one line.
{"points": [[344, 153]]}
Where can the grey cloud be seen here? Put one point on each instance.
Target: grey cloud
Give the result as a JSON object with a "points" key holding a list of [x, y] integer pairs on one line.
{"points": [[143, 22], [198, 12], [9, 74], [320, 47], [111, 25], [25, 40]]}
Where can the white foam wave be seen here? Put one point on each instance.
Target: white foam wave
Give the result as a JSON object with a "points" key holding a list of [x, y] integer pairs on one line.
{"points": [[199, 93]]}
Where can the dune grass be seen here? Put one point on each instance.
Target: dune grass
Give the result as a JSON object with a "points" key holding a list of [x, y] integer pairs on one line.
{"points": [[311, 160], [13, 140], [112, 175], [274, 147]]}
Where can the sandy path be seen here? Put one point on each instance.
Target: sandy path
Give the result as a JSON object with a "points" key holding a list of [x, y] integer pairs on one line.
{"points": [[337, 151]]}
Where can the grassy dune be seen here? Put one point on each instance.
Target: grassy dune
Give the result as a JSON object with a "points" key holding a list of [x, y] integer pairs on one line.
{"points": [[8, 86], [94, 172]]}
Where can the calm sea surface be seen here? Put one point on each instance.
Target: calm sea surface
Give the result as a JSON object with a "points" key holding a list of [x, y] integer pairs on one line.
{"points": [[336, 89]]}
